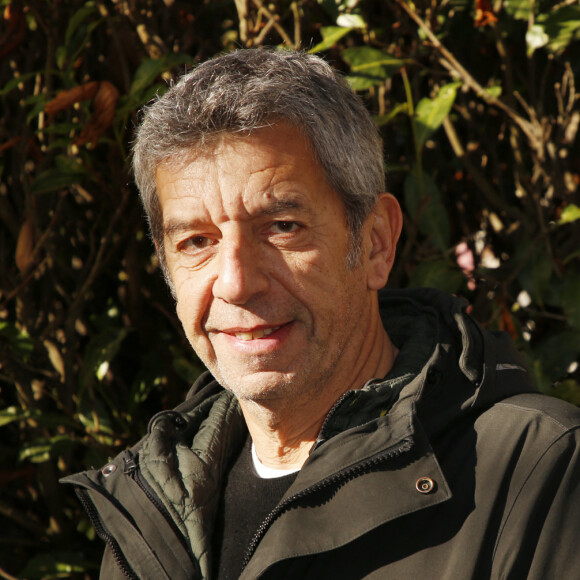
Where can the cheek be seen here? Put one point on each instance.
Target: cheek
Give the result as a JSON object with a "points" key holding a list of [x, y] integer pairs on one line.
{"points": [[182, 312], [193, 299]]}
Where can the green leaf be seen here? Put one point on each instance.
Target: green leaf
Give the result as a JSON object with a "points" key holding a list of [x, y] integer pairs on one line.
{"points": [[102, 348], [568, 390], [19, 341], [536, 37], [562, 26], [570, 214], [78, 34], [381, 120], [369, 66], [65, 128], [423, 202], [129, 103], [536, 273], [61, 56], [56, 565], [494, 91], [150, 69], [13, 83], [336, 8], [430, 113], [330, 36], [42, 449], [555, 354], [436, 274], [351, 21], [44, 419], [37, 108], [186, 368], [96, 419], [77, 19], [571, 256], [519, 9], [523, 9], [570, 299], [11, 414], [66, 172]]}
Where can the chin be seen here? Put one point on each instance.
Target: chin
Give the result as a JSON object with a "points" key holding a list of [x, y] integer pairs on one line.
{"points": [[260, 387]]}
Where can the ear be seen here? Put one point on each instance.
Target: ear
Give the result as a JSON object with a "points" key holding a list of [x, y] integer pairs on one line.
{"points": [[385, 229]]}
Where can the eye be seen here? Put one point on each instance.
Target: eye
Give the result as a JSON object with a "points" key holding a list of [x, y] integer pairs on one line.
{"points": [[195, 244], [285, 227]]}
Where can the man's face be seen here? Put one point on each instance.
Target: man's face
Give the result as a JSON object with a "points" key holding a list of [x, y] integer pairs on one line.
{"points": [[255, 244]]}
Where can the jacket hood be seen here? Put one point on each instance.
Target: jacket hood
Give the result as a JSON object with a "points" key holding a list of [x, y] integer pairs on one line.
{"points": [[448, 348], [448, 366]]}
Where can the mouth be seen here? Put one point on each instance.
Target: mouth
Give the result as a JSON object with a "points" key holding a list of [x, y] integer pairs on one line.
{"points": [[255, 334]]}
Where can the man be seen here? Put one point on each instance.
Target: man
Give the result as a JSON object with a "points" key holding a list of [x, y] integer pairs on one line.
{"points": [[339, 433]]}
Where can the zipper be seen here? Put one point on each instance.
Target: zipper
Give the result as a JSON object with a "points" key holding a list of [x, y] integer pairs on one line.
{"points": [[330, 415], [321, 434], [340, 477], [104, 534], [132, 470]]}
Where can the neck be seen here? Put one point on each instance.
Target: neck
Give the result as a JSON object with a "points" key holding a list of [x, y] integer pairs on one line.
{"points": [[283, 442]]}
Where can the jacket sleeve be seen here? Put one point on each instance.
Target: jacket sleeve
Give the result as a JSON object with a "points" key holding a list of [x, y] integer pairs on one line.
{"points": [[540, 537]]}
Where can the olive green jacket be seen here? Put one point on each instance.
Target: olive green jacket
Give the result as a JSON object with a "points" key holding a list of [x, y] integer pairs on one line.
{"points": [[452, 467]]}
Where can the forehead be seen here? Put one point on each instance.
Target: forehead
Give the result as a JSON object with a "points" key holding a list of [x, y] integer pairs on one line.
{"points": [[281, 141], [270, 164]]}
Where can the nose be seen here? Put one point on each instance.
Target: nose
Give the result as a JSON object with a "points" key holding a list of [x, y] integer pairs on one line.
{"points": [[240, 272]]}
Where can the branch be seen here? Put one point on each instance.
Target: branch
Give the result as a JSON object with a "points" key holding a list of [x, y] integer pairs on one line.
{"points": [[24, 521], [273, 18], [242, 8], [4, 574], [153, 44], [482, 183], [297, 34], [532, 131]]}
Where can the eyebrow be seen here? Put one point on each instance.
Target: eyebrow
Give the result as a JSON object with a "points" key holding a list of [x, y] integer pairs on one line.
{"points": [[176, 226], [280, 206]]}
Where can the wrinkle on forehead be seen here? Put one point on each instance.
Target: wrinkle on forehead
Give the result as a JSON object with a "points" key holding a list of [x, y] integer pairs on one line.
{"points": [[214, 174], [212, 145]]}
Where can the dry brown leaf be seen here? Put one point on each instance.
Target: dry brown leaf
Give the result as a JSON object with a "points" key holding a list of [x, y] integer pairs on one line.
{"points": [[104, 106], [10, 143], [506, 322], [55, 358], [484, 15], [66, 99], [15, 29], [27, 472], [25, 246]]}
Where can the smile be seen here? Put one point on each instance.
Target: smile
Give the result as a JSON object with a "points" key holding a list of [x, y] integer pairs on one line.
{"points": [[255, 334]]}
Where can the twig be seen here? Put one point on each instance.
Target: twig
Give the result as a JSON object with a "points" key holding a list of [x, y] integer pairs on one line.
{"points": [[153, 44], [29, 274], [99, 259], [242, 8], [569, 84], [272, 18], [21, 519], [564, 3], [66, 396], [297, 31], [267, 27], [482, 183], [4, 574], [454, 66]]}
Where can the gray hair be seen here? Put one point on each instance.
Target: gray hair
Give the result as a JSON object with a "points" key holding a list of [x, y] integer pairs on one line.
{"points": [[244, 90]]}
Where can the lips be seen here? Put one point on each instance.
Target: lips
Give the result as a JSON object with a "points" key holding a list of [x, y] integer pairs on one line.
{"points": [[255, 334]]}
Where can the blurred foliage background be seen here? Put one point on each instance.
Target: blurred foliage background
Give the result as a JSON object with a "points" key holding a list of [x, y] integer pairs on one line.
{"points": [[478, 107]]}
